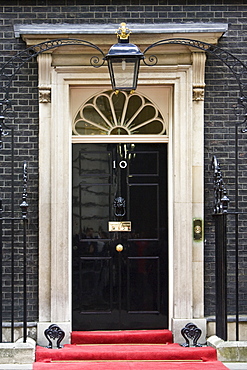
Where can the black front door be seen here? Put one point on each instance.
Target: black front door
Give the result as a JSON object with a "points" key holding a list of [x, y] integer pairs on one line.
{"points": [[120, 228]]}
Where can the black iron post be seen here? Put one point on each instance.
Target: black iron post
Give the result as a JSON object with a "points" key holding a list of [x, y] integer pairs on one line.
{"points": [[220, 216], [220, 275], [24, 207], [1, 268], [236, 230]]}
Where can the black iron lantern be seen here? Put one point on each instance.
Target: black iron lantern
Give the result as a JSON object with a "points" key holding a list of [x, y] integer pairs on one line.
{"points": [[123, 61]]}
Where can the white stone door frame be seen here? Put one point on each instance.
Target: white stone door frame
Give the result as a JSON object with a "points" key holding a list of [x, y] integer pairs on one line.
{"points": [[186, 127]]}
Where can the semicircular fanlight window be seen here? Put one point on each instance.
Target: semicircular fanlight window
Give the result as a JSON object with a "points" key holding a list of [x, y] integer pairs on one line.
{"points": [[108, 113]]}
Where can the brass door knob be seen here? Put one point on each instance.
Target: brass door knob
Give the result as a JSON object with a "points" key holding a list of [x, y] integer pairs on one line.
{"points": [[119, 248]]}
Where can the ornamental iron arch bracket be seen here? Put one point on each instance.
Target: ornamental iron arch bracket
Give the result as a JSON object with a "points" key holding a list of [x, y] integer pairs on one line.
{"points": [[234, 64], [12, 67]]}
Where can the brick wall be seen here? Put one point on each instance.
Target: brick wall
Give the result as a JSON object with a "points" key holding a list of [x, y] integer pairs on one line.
{"points": [[220, 97]]}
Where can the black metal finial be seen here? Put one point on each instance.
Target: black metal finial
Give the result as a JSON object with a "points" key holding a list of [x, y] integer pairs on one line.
{"points": [[24, 204], [4, 105], [221, 200], [241, 111]]}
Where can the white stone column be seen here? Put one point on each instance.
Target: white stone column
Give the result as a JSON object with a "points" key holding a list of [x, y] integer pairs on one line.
{"points": [[60, 201], [54, 247], [44, 62], [198, 59], [182, 202], [44, 65], [188, 199]]}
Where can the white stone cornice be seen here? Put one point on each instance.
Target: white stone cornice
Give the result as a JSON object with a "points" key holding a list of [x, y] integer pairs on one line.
{"points": [[80, 29], [104, 35]]}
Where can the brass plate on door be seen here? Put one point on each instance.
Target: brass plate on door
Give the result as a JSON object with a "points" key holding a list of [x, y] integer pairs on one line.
{"points": [[119, 226]]}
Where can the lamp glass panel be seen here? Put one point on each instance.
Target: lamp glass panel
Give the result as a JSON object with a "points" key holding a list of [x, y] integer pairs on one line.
{"points": [[124, 73]]}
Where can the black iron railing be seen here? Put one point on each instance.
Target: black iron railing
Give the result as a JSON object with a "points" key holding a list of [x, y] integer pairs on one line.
{"points": [[13, 258], [229, 254]]}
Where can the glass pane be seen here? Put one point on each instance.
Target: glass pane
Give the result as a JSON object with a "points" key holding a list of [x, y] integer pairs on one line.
{"points": [[123, 73], [85, 128], [123, 113], [154, 127], [118, 101], [103, 105], [135, 103], [145, 115]]}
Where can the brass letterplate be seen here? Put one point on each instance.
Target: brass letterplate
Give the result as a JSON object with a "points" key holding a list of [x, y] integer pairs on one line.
{"points": [[119, 226]]}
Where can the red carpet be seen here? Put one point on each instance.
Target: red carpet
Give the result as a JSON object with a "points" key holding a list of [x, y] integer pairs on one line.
{"points": [[124, 336], [216, 365], [126, 352], [143, 350]]}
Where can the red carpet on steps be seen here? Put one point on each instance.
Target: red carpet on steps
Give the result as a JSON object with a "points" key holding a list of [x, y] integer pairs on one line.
{"points": [[216, 365], [134, 350], [126, 352], [125, 336]]}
